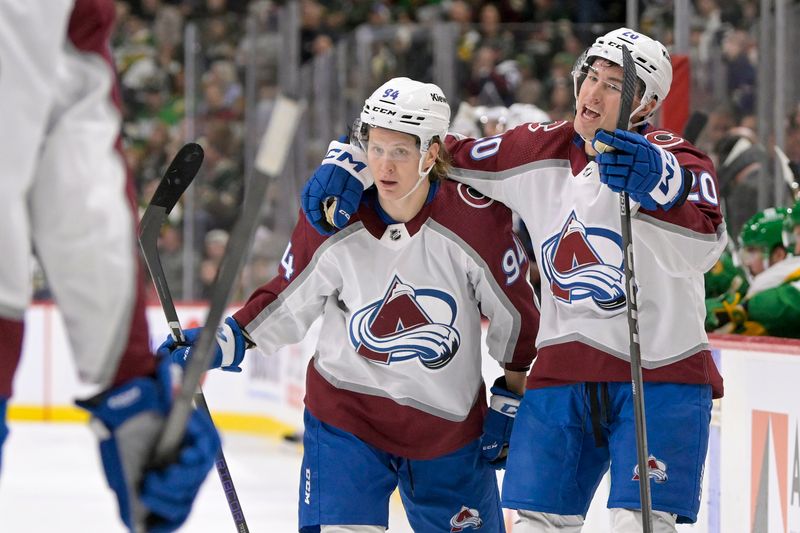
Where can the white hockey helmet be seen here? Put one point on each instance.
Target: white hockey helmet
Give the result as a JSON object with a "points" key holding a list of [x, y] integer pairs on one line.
{"points": [[653, 65], [409, 106]]}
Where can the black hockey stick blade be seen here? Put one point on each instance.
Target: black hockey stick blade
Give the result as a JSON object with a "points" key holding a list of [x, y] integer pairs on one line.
{"points": [[271, 159], [178, 177]]}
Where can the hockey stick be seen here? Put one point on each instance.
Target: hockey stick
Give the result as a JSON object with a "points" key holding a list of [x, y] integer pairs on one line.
{"points": [[270, 160], [695, 126], [178, 177], [626, 103]]}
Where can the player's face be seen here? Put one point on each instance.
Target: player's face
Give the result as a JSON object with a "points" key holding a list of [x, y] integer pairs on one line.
{"points": [[393, 159], [754, 260], [599, 99]]}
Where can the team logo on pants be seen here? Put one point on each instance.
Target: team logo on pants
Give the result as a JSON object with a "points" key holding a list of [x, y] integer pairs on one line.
{"points": [[465, 518], [656, 469], [407, 323], [585, 262]]}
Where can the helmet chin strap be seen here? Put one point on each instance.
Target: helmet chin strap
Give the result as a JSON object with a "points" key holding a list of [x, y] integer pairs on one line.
{"points": [[422, 175]]}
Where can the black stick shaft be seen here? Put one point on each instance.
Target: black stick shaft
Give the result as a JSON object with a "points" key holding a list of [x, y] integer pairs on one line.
{"points": [[642, 455], [169, 191]]}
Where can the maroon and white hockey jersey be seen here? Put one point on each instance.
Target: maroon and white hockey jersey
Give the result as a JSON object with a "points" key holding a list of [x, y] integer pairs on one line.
{"points": [[542, 172], [398, 357]]}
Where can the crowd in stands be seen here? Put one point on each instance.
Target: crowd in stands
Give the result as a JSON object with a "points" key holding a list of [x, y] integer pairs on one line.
{"points": [[508, 52]]}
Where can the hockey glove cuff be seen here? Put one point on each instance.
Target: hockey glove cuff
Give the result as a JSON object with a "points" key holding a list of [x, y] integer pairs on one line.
{"points": [[499, 422]]}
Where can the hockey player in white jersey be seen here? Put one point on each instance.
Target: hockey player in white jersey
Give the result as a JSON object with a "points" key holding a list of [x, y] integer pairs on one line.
{"points": [[394, 391], [64, 188], [576, 418]]}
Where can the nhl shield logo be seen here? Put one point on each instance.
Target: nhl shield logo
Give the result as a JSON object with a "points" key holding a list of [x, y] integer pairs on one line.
{"points": [[583, 262], [407, 323]]}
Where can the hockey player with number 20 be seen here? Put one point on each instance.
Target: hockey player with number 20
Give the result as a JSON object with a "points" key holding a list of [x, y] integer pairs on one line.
{"points": [[394, 392], [576, 419]]}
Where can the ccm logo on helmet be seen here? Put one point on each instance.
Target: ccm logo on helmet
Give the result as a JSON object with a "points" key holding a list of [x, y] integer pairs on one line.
{"points": [[438, 98], [383, 111]]}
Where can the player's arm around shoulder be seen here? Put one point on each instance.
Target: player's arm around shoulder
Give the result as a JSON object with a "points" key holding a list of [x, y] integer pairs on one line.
{"points": [[488, 162]]}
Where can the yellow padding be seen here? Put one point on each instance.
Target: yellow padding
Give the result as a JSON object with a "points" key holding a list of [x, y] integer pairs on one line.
{"points": [[253, 424]]}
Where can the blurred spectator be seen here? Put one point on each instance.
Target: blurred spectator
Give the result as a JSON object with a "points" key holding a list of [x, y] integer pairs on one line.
{"points": [[170, 251], [213, 250], [220, 185], [740, 159], [486, 86], [737, 49], [493, 34]]}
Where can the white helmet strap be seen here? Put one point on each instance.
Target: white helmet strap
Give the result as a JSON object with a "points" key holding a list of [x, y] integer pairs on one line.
{"points": [[423, 174]]}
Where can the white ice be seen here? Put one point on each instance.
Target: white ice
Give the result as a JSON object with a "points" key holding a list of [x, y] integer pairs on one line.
{"points": [[52, 481]]}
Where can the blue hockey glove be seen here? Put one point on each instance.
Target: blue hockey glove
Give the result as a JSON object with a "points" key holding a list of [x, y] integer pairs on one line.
{"points": [[3, 427], [229, 352], [649, 174], [128, 421], [333, 192], [503, 405]]}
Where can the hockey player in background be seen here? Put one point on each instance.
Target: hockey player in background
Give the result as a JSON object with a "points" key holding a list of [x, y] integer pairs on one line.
{"points": [[771, 305], [394, 393], [65, 194], [576, 419]]}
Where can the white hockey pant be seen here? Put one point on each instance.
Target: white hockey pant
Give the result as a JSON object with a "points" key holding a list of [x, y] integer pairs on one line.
{"points": [[622, 521]]}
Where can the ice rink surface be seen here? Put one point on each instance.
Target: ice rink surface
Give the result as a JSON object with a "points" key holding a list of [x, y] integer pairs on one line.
{"points": [[52, 482]]}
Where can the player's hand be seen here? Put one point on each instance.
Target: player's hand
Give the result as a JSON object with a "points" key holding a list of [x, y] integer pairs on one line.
{"points": [[231, 343], [333, 193], [128, 420], [497, 426], [629, 162]]}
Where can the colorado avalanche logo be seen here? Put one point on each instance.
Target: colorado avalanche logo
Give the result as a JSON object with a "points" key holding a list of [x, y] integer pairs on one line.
{"points": [[581, 262], [401, 326], [657, 470], [465, 518]]}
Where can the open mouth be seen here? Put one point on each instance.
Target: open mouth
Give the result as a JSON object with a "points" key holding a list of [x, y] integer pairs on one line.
{"points": [[589, 114]]}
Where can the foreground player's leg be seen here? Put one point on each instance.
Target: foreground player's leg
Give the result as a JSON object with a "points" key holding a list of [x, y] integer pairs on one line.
{"points": [[630, 521], [536, 522]]}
